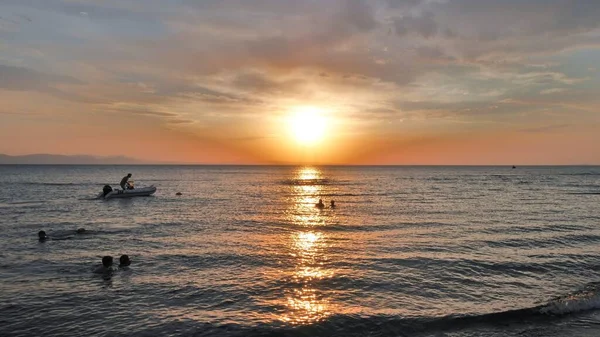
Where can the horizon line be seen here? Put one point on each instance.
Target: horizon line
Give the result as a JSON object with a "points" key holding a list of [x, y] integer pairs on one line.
{"points": [[303, 164]]}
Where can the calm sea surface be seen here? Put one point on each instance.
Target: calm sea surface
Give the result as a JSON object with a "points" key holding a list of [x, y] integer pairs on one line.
{"points": [[408, 251]]}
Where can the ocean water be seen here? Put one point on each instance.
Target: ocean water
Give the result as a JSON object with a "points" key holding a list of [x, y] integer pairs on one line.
{"points": [[408, 251]]}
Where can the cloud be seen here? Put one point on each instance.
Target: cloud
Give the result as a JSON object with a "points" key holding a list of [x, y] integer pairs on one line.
{"points": [[24, 79], [256, 82], [24, 17], [546, 128], [423, 25], [143, 110], [377, 61], [357, 14], [552, 91], [20, 78], [180, 121], [489, 27]]}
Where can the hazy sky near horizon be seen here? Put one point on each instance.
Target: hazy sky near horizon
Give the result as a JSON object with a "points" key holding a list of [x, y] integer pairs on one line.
{"points": [[216, 81]]}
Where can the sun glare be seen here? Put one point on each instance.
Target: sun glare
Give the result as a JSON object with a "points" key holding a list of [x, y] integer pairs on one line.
{"points": [[307, 125]]}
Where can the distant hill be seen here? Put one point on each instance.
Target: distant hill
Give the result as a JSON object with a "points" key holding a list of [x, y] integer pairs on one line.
{"points": [[55, 159]]}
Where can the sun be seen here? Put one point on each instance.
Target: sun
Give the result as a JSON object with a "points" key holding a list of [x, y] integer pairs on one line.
{"points": [[307, 125]]}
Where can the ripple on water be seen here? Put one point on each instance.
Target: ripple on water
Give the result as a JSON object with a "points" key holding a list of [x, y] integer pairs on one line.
{"points": [[244, 252]]}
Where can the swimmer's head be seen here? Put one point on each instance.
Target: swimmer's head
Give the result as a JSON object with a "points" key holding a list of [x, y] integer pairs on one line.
{"points": [[332, 202], [124, 260], [42, 235], [107, 261], [80, 230]]}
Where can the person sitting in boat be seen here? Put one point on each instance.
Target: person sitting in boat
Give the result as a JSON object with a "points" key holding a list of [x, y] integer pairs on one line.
{"points": [[125, 182], [320, 204]]}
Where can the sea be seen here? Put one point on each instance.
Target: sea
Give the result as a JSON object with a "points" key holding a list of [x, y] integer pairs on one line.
{"points": [[243, 251]]}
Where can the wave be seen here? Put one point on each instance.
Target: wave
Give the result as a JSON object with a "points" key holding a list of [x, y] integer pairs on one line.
{"points": [[382, 325], [25, 202], [315, 182], [548, 242], [305, 182], [34, 183], [89, 198], [31, 183], [220, 260], [346, 194], [22, 204], [470, 268], [394, 325], [580, 174], [585, 299], [383, 227]]}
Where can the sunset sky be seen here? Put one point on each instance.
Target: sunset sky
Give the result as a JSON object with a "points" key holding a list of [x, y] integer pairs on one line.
{"points": [[294, 81]]}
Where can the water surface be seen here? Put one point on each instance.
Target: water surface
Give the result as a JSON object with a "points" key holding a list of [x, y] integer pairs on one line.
{"points": [[408, 251]]}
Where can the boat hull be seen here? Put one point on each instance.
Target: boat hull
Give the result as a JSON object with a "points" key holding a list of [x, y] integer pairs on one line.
{"points": [[137, 192]]}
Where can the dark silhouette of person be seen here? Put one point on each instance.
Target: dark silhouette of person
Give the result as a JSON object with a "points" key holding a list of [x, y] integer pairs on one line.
{"points": [[332, 203], [106, 266], [320, 204], [124, 261], [124, 181], [60, 235]]}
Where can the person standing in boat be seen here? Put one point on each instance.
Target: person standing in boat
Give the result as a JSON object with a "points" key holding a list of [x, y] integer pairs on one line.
{"points": [[124, 181]]}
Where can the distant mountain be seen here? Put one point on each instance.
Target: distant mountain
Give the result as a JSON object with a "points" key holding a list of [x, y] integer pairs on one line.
{"points": [[55, 159]]}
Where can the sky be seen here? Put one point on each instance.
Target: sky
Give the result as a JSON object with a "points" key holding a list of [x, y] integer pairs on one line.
{"points": [[448, 82]]}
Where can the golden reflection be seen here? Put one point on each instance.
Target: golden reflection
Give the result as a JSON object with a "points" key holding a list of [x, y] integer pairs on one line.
{"points": [[307, 189], [308, 173], [306, 306], [307, 303], [305, 241], [305, 194]]}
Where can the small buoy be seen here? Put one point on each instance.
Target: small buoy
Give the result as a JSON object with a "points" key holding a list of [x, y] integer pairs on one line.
{"points": [[178, 193]]}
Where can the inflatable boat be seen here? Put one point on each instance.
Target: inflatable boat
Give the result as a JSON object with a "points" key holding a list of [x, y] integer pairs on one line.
{"points": [[109, 193]]}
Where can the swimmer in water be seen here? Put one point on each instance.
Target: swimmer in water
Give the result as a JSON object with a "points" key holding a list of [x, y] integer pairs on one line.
{"points": [[124, 261], [60, 235], [106, 266], [320, 204], [332, 203]]}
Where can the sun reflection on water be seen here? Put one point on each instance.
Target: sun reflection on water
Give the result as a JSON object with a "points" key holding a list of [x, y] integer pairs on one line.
{"points": [[306, 306], [305, 194], [306, 303], [308, 173], [305, 241]]}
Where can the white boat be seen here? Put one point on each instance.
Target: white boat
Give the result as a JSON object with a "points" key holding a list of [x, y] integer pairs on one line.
{"points": [[109, 193]]}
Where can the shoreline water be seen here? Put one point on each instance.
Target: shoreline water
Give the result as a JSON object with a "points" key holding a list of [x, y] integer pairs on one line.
{"points": [[417, 252]]}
